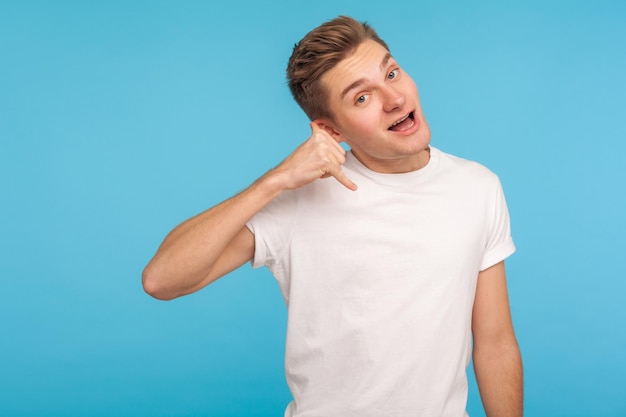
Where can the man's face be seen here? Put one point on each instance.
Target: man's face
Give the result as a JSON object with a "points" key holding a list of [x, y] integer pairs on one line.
{"points": [[377, 111]]}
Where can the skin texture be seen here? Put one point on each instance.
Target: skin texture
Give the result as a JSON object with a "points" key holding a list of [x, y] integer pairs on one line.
{"points": [[217, 241], [381, 94], [497, 358], [368, 93]]}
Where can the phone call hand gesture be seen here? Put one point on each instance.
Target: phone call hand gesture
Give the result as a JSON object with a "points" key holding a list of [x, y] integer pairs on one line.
{"points": [[320, 156]]}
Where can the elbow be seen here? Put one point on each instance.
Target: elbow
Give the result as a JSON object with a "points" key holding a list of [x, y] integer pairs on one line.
{"points": [[153, 284], [501, 347]]}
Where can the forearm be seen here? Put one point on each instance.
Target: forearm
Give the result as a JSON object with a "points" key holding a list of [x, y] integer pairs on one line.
{"points": [[188, 254], [499, 374], [214, 242]]}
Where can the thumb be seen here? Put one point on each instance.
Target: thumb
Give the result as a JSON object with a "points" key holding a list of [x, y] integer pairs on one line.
{"points": [[315, 126], [318, 124]]}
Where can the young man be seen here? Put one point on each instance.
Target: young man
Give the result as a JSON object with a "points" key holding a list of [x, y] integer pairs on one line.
{"points": [[385, 283]]}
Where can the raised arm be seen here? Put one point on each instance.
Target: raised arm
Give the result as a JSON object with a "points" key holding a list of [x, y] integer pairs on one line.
{"points": [[217, 241], [497, 359]]}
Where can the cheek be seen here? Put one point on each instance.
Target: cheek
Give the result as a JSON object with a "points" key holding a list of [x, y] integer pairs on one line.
{"points": [[368, 118], [359, 126], [363, 128]]}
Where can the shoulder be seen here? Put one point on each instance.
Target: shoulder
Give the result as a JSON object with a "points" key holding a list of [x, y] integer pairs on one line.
{"points": [[465, 170]]}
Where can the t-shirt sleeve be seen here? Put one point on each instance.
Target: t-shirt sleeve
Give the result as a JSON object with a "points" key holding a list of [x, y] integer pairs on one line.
{"points": [[499, 241], [272, 228]]}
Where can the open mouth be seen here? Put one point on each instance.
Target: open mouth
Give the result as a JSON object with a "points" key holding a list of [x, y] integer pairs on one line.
{"points": [[403, 124]]}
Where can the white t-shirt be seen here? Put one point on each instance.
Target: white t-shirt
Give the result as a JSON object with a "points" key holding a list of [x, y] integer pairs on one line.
{"points": [[380, 283]]}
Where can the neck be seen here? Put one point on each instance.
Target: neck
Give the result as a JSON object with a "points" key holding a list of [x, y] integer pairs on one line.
{"points": [[395, 166]]}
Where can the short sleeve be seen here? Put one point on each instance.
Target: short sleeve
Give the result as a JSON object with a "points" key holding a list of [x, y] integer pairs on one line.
{"points": [[272, 227], [499, 244]]}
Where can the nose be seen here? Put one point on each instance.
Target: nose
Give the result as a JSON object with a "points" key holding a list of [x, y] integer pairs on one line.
{"points": [[392, 98]]}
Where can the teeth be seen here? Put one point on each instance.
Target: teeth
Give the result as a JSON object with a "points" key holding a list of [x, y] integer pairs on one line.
{"points": [[399, 121]]}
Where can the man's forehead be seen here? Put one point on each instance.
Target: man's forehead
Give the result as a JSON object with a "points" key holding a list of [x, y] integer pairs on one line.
{"points": [[369, 59]]}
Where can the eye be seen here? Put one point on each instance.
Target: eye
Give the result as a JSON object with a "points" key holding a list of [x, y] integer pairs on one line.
{"points": [[393, 74], [361, 99]]}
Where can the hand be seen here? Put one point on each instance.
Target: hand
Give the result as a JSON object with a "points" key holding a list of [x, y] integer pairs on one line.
{"points": [[321, 156]]}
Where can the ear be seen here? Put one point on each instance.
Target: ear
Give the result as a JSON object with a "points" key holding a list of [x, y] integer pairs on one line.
{"points": [[330, 128]]}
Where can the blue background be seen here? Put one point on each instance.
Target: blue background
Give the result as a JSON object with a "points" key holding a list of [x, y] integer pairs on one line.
{"points": [[120, 119]]}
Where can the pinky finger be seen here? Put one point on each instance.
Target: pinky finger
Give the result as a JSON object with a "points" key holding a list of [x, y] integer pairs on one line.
{"points": [[347, 182]]}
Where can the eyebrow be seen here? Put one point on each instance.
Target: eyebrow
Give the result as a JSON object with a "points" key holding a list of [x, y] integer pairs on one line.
{"points": [[362, 80]]}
